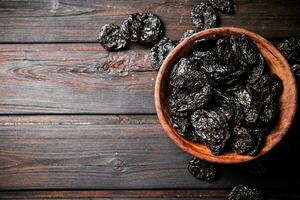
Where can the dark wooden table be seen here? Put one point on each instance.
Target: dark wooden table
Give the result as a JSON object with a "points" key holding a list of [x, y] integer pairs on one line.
{"points": [[77, 122]]}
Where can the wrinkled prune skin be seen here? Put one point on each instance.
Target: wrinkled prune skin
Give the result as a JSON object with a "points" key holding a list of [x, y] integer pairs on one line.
{"points": [[225, 51], [242, 141], [296, 70], [241, 192], [182, 125], [142, 27], [243, 97], [290, 48], [225, 6], [187, 34], [202, 170], [225, 105], [245, 50], [252, 113], [269, 112], [257, 71], [268, 85], [159, 52], [212, 128], [111, 38], [186, 75], [195, 100], [204, 16]]}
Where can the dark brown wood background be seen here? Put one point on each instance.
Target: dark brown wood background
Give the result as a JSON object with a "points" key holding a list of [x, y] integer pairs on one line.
{"points": [[78, 122]]}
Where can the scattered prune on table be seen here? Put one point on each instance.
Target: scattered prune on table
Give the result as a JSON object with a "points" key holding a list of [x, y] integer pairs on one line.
{"points": [[159, 52], [111, 38], [202, 170], [225, 6], [187, 34], [290, 48], [241, 192], [245, 50], [212, 128], [142, 27], [204, 16]]}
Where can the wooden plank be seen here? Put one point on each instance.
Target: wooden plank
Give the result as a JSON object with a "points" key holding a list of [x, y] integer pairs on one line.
{"points": [[108, 152], [136, 194], [79, 20], [74, 78]]}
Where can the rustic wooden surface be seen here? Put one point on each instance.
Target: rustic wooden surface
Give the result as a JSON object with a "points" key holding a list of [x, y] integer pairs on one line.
{"points": [[77, 122]]}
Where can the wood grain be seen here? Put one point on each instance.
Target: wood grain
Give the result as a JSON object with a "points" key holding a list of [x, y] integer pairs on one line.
{"points": [[79, 20], [107, 152], [137, 194], [74, 78]]}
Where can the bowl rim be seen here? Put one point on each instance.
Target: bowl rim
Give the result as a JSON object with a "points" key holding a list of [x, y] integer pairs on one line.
{"points": [[181, 142]]}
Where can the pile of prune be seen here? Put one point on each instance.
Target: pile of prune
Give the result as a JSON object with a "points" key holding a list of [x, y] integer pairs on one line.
{"points": [[224, 96], [138, 27], [241, 192]]}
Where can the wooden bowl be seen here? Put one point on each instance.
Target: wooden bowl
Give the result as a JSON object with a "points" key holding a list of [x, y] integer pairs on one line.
{"points": [[277, 64]]}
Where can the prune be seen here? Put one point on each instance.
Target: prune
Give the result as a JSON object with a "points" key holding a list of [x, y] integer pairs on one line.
{"points": [[173, 103], [252, 113], [267, 85], [290, 48], [142, 27], [243, 97], [257, 71], [186, 75], [245, 50], [187, 34], [111, 38], [202, 170], [195, 100], [241, 192], [269, 112], [212, 128], [225, 105], [225, 6], [207, 43], [204, 16], [159, 52], [181, 124], [225, 51], [242, 142]]}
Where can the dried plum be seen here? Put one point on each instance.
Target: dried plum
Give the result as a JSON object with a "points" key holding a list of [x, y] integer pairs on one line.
{"points": [[241, 192], [296, 70], [187, 34], [225, 105], [257, 71], [245, 50], [186, 75], [225, 51], [202, 170], [242, 141], [269, 112], [212, 128], [111, 38], [225, 6], [204, 16], [290, 48], [142, 27], [195, 100], [182, 125], [159, 52]]}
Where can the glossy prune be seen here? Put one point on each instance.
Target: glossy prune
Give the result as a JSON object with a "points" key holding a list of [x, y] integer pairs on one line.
{"points": [[204, 16], [111, 38], [202, 170], [225, 6], [142, 27], [290, 48], [160, 51]]}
